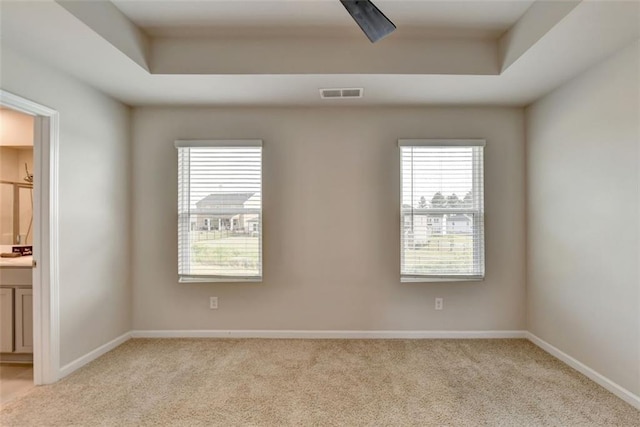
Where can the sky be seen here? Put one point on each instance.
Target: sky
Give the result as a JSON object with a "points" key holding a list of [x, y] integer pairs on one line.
{"points": [[223, 170], [428, 170]]}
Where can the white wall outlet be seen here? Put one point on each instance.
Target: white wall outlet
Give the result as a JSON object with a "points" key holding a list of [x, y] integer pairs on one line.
{"points": [[213, 303], [439, 303]]}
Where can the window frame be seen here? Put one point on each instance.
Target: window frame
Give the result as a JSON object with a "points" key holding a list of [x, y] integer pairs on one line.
{"points": [[222, 143], [479, 256]]}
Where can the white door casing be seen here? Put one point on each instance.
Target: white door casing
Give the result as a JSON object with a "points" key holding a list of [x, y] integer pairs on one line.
{"points": [[46, 315]]}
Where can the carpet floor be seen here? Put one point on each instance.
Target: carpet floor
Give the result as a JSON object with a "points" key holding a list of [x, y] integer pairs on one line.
{"points": [[193, 382]]}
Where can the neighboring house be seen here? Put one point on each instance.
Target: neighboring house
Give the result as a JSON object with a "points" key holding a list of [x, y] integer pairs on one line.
{"points": [[435, 223], [424, 225], [228, 211], [458, 224], [251, 221]]}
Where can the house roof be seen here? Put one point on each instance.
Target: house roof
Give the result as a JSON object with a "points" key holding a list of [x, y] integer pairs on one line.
{"points": [[224, 199], [458, 218], [408, 210]]}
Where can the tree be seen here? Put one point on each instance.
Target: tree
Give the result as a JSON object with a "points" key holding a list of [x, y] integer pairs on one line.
{"points": [[467, 202], [438, 200], [453, 201], [422, 203]]}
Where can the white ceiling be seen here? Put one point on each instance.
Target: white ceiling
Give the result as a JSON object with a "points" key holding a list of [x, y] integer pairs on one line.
{"points": [[47, 32], [452, 18]]}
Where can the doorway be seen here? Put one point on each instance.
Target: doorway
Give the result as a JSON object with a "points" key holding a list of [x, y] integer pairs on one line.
{"points": [[43, 236]]}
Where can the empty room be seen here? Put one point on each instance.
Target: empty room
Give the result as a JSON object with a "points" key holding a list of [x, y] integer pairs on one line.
{"points": [[320, 212]]}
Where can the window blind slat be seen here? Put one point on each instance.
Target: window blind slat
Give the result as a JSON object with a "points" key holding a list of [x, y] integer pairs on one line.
{"points": [[219, 211], [442, 209]]}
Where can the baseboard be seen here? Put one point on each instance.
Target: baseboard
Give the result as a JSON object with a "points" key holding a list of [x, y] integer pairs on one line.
{"points": [[18, 358], [91, 356], [598, 378], [299, 334]]}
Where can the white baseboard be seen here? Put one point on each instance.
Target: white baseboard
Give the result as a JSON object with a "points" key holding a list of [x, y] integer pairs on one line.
{"points": [[598, 378], [91, 356], [298, 334]]}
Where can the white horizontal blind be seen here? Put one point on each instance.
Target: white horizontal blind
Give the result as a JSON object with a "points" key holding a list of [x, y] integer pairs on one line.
{"points": [[442, 221], [219, 210]]}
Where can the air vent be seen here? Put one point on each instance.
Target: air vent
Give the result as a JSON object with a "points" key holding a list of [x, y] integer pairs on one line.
{"points": [[337, 93]]}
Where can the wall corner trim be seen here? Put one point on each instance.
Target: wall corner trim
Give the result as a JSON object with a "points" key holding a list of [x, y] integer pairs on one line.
{"points": [[93, 355], [598, 378]]}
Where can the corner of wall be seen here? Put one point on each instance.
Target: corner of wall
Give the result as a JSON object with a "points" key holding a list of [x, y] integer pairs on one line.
{"points": [[130, 189]]}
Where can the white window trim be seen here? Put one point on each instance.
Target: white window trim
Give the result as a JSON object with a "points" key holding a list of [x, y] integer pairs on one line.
{"points": [[478, 170], [195, 278], [186, 143], [433, 279], [442, 142]]}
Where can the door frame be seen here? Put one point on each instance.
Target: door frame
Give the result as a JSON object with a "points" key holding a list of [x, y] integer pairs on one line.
{"points": [[46, 304]]}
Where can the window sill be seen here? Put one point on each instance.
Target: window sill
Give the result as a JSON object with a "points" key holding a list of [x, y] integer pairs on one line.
{"points": [[219, 280], [441, 279]]}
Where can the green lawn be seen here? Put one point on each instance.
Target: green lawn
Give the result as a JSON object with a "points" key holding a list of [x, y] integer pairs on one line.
{"points": [[452, 254], [212, 253], [225, 254]]}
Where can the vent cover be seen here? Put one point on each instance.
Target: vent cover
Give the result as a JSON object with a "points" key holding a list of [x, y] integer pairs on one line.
{"points": [[338, 93]]}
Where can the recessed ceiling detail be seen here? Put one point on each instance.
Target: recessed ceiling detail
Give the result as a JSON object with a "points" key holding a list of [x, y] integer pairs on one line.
{"points": [[319, 18], [506, 53], [123, 25]]}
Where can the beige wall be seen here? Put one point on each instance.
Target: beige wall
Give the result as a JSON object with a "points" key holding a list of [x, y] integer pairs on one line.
{"points": [[321, 272], [583, 209], [94, 216], [12, 162], [16, 129], [8, 164]]}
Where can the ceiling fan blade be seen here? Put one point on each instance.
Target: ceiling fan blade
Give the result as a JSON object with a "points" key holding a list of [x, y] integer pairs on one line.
{"points": [[373, 22]]}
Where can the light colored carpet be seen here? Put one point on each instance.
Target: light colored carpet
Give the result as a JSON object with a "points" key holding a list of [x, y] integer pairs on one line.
{"points": [[191, 382]]}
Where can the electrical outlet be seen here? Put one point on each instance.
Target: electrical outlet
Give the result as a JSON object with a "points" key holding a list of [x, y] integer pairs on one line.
{"points": [[213, 303], [439, 303]]}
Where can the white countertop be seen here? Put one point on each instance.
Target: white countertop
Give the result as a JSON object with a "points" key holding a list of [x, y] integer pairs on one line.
{"points": [[19, 262]]}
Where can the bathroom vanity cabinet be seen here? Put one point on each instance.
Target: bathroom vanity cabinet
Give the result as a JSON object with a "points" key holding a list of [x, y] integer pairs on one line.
{"points": [[16, 314]]}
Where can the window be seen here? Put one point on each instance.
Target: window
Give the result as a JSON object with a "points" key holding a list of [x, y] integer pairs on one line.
{"points": [[219, 211], [442, 183]]}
